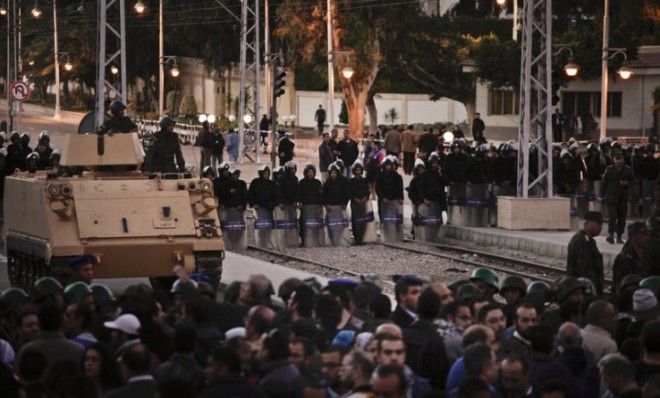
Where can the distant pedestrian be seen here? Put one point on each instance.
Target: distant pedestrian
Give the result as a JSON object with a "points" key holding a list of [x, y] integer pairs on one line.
{"points": [[205, 142], [408, 147], [232, 145], [285, 149], [392, 143], [325, 156], [217, 148], [427, 143], [614, 191], [348, 152], [334, 134], [584, 259], [631, 258], [319, 117], [372, 165], [478, 127], [264, 129]]}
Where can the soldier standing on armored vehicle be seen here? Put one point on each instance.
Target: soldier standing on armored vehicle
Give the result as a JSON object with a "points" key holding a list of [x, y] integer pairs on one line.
{"points": [[165, 149], [118, 122]]}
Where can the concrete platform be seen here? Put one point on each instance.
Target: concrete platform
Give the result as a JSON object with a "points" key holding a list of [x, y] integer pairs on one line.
{"points": [[543, 243]]}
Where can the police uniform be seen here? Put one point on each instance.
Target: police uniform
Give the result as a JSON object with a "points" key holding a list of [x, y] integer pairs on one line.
{"points": [[584, 259], [118, 124], [285, 150], [163, 152], [361, 217], [614, 190], [309, 195]]}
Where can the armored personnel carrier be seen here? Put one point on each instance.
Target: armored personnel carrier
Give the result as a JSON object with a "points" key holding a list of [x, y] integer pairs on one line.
{"points": [[134, 224]]}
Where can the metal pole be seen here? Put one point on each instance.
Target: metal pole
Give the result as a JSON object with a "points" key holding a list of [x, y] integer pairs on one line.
{"points": [[161, 66], [243, 81], [101, 65], [267, 68], [515, 20], [57, 115], [122, 37], [549, 188], [331, 71], [18, 107], [257, 82], [604, 72]]}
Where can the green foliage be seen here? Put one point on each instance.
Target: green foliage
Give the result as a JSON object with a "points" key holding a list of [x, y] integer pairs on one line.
{"points": [[343, 113], [188, 107], [392, 115], [656, 95], [172, 102]]}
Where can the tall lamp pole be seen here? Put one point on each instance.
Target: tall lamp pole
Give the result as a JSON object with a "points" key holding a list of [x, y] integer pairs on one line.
{"points": [[331, 71], [58, 111], [604, 72], [161, 66]]}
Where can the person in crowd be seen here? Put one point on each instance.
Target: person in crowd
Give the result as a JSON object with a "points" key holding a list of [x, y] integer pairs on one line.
{"points": [[118, 122], [233, 145], [631, 258], [392, 143], [217, 147], [478, 127], [165, 154], [326, 156], [408, 147], [372, 164], [619, 376], [205, 142], [285, 147], [348, 152], [135, 364], [406, 291], [584, 259], [319, 117], [614, 191], [264, 129], [100, 365], [224, 378]]}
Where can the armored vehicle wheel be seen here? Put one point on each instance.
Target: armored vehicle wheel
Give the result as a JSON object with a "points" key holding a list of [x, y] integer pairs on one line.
{"points": [[24, 270]]}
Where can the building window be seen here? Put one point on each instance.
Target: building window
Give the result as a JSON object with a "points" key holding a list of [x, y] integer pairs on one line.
{"points": [[581, 102], [502, 102]]}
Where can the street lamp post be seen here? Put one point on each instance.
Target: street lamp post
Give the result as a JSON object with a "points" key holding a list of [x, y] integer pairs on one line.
{"points": [[604, 72], [58, 112], [624, 72], [331, 70]]}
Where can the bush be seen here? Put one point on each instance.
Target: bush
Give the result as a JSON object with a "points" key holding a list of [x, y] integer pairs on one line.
{"points": [[172, 102], [188, 107]]}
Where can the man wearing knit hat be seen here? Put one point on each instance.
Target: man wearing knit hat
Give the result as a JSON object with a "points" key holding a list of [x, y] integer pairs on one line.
{"points": [[645, 309], [629, 261], [584, 259]]}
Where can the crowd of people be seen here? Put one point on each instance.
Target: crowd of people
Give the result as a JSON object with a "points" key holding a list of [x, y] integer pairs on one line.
{"points": [[478, 337]]}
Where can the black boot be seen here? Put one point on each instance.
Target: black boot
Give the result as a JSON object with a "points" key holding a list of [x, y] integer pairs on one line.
{"points": [[618, 238], [610, 239]]}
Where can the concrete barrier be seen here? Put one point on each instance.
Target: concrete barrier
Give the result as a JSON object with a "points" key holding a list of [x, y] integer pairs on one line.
{"points": [[533, 213]]}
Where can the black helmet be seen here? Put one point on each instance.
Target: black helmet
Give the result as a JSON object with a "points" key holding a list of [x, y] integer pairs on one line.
{"points": [[309, 166], [32, 156], [116, 106], [539, 288], [55, 155], [45, 287], [564, 286], [514, 282], [14, 137], [468, 292], [166, 121], [631, 280], [13, 295], [340, 164], [25, 138], [102, 295], [44, 137]]}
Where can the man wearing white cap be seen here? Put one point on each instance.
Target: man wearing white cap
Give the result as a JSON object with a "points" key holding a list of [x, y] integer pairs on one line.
{"points": [[126, 330]]}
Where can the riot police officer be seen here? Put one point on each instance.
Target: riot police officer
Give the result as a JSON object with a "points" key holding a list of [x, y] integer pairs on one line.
{"points": [[584, 259], [165, 149], [262, 192], [615, 194], [358, 190], [44, 150], [118, 122]]}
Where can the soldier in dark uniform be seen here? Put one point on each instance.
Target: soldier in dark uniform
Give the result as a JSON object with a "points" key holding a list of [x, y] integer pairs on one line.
{"points": [[288, 187], [335, 188], [237, 191], [457, 163], [25, 151], [477, 168], [631, 258], [584, 259], [12, 161], [432, 184], [165, 149], [358, 192], [309, 192], [595, 166], [414, 189], [614, 191], [569, 174], [285, 149], [263, 191], [220, 182], [389, 184], [44, 150], [118, 122]]}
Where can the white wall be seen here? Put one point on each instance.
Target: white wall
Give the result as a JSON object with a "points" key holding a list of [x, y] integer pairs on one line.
{"points": [[412, 108]]}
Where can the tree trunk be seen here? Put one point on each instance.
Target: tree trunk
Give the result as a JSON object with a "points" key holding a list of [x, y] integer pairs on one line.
{"points": [[471, 109], [373, 114]]}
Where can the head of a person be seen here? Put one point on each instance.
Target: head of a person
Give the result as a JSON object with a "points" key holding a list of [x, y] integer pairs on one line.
{"points": [[77, 318], [326, 136], [388, 381], [301, 351], [223, 361], [50, 317], [478, 334], [197, 311], [569, 336], [428, 304], [83, 268], [390, 350], [514, 375], [276, 346], [473, 387], [593, 223], [379, 306], [554, 388], [477, 115], [602, 313], [445, 294], [310, 172], [356, 368], [652, 387], [407, 291], [459, 313], [480, 362], [645, 305], [331, 362], [619, 160], [135, 360], [302, 301], [526, 318], [260, 320], [347, 134], [28, 324], [99, 363], [491, 315], [617, 372], [638, 234], [388, 328], [334, 133]]}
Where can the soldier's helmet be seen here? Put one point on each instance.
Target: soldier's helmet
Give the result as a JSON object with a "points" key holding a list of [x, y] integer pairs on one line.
{"points": [[487, 276], [76, 292], [117, 106], [45, 287], [13, 295], [514, 282], [102, 294], [166, 121]]}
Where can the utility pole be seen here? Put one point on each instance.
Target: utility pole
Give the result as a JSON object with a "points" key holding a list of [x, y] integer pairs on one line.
{"points": [[604, 84], [113, 26], [268, 77], [331, 71], [58, 112], [161, 62], [13, 62]]}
